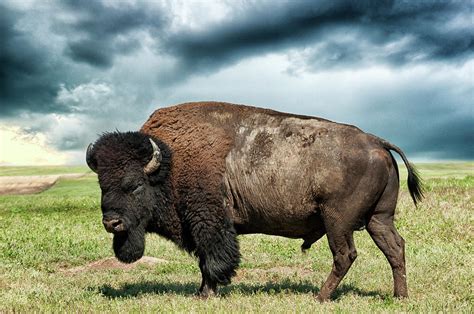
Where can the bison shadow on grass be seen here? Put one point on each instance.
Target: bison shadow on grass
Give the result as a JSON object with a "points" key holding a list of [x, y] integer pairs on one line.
{"points": [[189, 289]]}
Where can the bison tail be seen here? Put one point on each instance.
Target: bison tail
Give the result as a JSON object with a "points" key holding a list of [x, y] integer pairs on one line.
{"points": [[414, 181]]}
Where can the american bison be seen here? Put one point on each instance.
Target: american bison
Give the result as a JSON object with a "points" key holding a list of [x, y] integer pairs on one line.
{"points": [[199, 174]]}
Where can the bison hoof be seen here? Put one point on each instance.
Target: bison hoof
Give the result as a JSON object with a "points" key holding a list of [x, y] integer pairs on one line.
{"points": [[321, 298], [205, 293]]}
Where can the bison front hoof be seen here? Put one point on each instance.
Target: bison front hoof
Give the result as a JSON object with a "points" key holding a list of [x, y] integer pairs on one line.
{"points": [[206, 293], [204, 296]]}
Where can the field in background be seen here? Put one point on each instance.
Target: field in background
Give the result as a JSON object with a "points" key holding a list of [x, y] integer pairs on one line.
{"points": [[44, 236], [40, 171], [441, 170]]}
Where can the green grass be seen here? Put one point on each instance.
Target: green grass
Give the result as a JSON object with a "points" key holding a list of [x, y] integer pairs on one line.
{"points": [[42, 234], [441, 170], [39, 171]]}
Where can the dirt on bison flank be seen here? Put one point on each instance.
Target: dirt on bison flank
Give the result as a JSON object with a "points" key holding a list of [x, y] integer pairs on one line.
{"points": [[113, 263], [31, 184]]}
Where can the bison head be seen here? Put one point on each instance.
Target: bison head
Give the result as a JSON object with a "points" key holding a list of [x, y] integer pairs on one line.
{"points": [[129, 167]]}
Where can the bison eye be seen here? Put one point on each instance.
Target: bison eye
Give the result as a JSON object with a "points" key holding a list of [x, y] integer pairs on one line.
{"points": [[138, 189]]}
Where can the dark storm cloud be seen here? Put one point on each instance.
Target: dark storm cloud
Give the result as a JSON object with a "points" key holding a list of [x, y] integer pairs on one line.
{"points": [[93, 52], [27, 78], [335, 33], [33, 67], [100, 31], [428, 118], [452, 139]]}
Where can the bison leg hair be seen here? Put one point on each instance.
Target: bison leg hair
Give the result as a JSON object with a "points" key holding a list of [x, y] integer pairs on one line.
{"points": [[208, 287], [218, 251]]}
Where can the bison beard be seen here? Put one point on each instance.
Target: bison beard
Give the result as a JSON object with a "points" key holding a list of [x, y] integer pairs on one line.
{"points": [[129, 246]]}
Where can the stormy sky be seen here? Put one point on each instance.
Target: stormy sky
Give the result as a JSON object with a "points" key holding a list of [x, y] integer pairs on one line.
{"points": [[404, 70]]}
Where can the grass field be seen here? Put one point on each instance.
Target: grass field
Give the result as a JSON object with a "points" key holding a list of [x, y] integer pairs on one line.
{"points": [[44, 234], [40, 170]]}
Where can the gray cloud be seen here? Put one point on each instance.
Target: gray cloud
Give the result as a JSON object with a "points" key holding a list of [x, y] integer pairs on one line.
{"points": [[27, 75], [334, 34], [429, 117], [100, 31], [53, 44], [93, 52]]}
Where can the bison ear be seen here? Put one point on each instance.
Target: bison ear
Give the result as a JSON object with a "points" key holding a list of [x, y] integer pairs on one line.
{"points": [[91, 162], [155, 160]]}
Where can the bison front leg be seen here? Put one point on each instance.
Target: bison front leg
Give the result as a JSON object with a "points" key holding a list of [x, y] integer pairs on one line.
{"points": [[218, 251], [208, 286]]}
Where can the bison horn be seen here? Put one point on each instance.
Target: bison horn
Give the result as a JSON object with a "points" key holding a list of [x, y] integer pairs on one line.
{"points": [[90, 159], [154, 163]]}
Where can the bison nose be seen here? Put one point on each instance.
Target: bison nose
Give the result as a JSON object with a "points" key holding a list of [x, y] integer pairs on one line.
{"points": [[113, 225]]}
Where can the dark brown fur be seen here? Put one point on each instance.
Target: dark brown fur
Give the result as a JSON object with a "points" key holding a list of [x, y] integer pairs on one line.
{"points": [[237, 169]]}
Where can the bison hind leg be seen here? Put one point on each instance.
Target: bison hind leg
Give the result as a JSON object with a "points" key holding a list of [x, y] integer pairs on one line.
{"points": [[382, 230]]}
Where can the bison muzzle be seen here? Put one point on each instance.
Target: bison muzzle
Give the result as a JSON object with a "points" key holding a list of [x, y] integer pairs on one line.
{"points": [[200, 174]]}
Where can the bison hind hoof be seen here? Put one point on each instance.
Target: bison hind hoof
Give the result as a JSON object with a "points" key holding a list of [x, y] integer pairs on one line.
{"points": [[320, 298]]}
